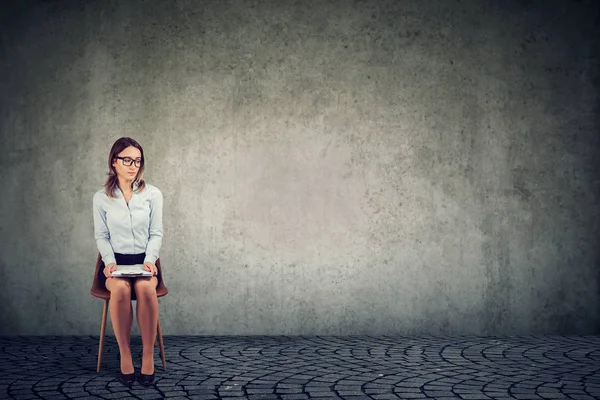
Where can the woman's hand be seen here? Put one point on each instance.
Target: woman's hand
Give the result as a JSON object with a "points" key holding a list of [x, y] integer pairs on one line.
{"points": [[148, 266], [109, 269]]}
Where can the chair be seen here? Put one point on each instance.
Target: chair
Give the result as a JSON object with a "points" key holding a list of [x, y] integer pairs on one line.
{"points": [[102, 293]]}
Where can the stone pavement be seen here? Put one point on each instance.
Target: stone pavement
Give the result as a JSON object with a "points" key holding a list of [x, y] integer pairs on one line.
{"points": [[289, 368]]}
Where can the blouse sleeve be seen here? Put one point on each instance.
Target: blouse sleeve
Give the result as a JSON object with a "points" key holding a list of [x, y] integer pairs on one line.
{"points": [[156, 227], [101, 232]]}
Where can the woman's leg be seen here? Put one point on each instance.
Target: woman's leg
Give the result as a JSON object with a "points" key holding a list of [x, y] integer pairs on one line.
{"points": [[147, 318], [121, 315]]}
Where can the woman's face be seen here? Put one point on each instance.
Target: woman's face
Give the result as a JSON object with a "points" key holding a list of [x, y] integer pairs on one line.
{"points": [[128, 172]]}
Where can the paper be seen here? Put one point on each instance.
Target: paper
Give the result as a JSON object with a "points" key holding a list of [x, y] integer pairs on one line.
{"points": [[130, 270]]}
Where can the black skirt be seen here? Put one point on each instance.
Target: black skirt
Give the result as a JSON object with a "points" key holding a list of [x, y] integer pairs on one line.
{"points": [[125, 259]]}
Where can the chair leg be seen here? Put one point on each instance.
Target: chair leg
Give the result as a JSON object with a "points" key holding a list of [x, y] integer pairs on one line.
{"points": [[162, 345], [102, 330]]}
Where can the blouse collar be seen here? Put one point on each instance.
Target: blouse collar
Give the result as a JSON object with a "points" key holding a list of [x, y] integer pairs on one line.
{"points": [[135, 186]]}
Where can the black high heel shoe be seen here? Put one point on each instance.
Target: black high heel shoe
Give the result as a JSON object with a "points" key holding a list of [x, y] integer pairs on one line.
{"points": [[127, 379], [146, 380]]}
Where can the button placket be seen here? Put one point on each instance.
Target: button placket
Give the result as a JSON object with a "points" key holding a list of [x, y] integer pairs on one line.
{"points": [[129, 206]]}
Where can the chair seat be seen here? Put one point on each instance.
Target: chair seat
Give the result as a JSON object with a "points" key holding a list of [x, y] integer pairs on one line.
{"points": [[100, 293]]}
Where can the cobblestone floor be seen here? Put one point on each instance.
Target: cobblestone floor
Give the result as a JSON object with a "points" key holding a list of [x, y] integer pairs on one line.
{"points": [[289, 368]]}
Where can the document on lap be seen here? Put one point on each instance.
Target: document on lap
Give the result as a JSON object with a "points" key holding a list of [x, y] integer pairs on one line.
{"points": [[131, 270]]}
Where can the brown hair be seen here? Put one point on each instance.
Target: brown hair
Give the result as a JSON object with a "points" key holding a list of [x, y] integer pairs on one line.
{"points": [[112, 182]]}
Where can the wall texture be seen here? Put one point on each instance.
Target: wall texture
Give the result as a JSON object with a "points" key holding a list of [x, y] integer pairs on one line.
{"points": [[346, 167]]}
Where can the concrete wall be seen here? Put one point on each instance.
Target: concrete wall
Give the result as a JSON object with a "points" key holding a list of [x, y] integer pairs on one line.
{"points": [[346, 167]]}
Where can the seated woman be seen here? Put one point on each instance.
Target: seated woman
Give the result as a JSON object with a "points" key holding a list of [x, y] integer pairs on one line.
{"points": [[128, 230]]}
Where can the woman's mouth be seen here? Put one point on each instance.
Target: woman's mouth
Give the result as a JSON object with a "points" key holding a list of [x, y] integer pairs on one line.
{"points": [[131, 173]]}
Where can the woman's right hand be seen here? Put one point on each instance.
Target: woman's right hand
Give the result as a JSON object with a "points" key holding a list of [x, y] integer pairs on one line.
{"points": [[109, 269]]}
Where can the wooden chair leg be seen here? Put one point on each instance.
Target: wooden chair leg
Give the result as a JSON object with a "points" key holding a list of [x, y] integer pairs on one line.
{"points": [[102, 330], [162, 345]]}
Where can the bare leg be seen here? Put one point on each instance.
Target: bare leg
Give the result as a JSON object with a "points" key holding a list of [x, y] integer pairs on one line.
{"points": [[129, 325], [147, 318], [121, 314]]}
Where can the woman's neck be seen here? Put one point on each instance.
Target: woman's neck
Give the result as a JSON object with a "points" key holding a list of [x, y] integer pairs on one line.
{"points": [[125, 185]]}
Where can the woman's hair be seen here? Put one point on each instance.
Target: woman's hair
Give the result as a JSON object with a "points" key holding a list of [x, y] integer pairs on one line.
{"points": [[112, 182]]}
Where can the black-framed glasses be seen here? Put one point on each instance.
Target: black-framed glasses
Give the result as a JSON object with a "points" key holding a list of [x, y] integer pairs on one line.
{"points": [[127, 161]]}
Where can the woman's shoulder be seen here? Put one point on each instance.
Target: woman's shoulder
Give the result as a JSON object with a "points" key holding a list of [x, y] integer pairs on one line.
{"points": [[100, 194], [152, 191]]}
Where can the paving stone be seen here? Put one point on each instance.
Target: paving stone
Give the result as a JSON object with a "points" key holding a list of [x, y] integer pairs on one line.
{"points": [[49, 394], [118, 395], [319, 386], [407, 389], [348, 393], [259, 391], [437, 394], [574, 392], [322, 394], [385, 396], [150, 396], [347, 388], [174, 393], [289, 391], [372, 391], [521, 390], [77, 395], [196, 397], [411, 395]]}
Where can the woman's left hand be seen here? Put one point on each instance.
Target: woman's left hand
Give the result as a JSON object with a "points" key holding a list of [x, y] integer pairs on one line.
{"points": [[148, 266]]}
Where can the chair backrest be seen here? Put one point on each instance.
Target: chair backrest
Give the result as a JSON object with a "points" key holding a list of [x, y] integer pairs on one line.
{"points": [[98, 289]]}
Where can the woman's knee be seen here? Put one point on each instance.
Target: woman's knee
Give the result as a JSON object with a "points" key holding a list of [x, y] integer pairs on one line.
{"points": [[120, 289], [145, 287]]}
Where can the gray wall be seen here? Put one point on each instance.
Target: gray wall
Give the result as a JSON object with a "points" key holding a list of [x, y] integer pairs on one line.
{"points": [[391, 167]]}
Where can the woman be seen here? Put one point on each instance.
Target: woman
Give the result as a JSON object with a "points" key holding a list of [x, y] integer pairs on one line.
{"points": [[128, 230]]}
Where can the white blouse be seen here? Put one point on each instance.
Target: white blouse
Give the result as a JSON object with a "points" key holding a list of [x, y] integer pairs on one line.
{"points": [[132, 228]]}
